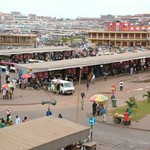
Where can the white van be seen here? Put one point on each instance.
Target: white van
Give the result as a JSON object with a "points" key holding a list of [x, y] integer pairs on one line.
{"points": [[65, 87]]}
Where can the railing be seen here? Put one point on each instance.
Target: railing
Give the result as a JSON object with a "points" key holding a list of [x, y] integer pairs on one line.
{"points": [[119, 37]]}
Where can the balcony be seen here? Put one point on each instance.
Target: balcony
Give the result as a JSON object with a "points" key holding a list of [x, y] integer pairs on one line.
{"points": [[137, 37], [106, 37], [118, 37], [92, 37], [112, 37], [124, 37], [100, 37], [132, 37]]}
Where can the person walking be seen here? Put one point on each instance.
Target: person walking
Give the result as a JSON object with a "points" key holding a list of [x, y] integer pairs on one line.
{"points": [[105, 76], [121, 84], [82, 99], [7, 79], [14, 82], [87, 85], [93, 79], [4, 93], [104, 114], [20, 82]]}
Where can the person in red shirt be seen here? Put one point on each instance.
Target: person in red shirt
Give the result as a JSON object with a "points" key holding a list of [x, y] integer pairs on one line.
{"points": [[25, 119], [126, 119]]}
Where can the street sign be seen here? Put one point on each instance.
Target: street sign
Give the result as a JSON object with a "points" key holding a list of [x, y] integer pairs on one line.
{"points": [[92, 121]]}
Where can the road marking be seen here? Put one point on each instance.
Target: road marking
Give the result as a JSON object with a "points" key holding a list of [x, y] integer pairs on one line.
{"points": [[147, 87], [139, 89], [114, 145]]}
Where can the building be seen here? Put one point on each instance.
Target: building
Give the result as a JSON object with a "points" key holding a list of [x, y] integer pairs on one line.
{"points": [[88, 19], [5, 16], [119, 26], [14, 13], [127, 26], [121, 38], [122, 34], [107, 17], [20, 18], [17, 40]]}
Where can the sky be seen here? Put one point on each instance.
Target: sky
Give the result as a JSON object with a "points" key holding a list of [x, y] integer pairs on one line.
{"points": [[75, 8]]}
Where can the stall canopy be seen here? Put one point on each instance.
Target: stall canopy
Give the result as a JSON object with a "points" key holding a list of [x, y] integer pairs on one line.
{"points": [[47, 133], [82, 62], [35, 50]]}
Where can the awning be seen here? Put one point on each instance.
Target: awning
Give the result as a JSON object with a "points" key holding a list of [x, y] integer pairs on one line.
{"points": [[35, 50], [47, 133], [82, 62]]}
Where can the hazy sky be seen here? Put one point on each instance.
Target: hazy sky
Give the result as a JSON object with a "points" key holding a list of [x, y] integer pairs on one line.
{"points": [[76, 8]]}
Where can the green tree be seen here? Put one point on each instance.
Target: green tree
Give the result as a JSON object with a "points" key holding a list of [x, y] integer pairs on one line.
{"points": [[147, 95], [131, 102], [64, 39]]}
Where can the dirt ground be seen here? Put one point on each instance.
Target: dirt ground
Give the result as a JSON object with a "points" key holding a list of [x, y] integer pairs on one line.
{"points": [[29, 101]]}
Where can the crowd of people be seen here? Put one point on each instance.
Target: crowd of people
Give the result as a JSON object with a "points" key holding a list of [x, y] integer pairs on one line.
{"points": [[8, 121], [124, 118], [99, 109]]}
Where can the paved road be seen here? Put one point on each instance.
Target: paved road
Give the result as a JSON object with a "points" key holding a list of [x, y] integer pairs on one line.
{"points": [[108, 137]]}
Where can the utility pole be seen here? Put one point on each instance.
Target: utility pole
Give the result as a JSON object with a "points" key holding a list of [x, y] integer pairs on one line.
{"points": [[79, 86]]}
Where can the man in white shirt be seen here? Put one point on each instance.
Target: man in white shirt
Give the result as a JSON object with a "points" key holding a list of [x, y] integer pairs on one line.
{"points": [[7, 72], [121, 85], [8, 80], [18, 121]]}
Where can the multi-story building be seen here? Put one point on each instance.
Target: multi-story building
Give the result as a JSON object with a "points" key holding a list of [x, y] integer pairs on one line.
{"points": [[17, 40], [122, 38], [5, 16], [20, 18], [123, 34]]}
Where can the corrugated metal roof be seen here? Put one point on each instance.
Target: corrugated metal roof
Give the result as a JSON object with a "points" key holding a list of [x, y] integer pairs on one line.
{"points": [[47, 133], [35, 50], [82, 62]]}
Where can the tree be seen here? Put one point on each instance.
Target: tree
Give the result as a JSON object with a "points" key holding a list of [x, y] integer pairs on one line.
{"points": [[147, 95], [131, 102]]}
